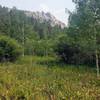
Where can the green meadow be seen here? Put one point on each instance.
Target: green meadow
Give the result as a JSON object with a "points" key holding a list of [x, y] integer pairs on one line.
{"points": [[43, 78]]}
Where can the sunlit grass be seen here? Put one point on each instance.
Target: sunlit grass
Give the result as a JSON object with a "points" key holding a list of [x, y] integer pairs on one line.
{"points": [[31, 78]]}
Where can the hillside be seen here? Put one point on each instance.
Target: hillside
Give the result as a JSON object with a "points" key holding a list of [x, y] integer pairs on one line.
{"points": [[10, 17], [48, 17], [29, 28]]}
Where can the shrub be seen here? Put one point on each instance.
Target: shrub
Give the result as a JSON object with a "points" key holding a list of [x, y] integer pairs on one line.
{"points": [[10, 50], [71, 53], [66, 52]]}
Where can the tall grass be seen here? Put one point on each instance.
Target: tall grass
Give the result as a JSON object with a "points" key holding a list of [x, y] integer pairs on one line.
{"points": [[36, 78]]}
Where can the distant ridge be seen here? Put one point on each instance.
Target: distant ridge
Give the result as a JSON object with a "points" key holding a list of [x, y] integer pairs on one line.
{"points": [[48, 17]]}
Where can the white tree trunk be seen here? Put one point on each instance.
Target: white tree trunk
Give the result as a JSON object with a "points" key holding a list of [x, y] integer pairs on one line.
{"points": [[97, 63], [23, 39]]}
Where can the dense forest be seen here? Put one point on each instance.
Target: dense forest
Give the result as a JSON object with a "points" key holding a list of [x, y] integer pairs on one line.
{"points": [[25, 41]]}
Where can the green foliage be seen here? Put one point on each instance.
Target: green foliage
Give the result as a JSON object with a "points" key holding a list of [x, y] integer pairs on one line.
{"points": [[84, 24], [35, 78], [10, 50], [15, 24], [70, 51], [43, 47], [67, 50], [83, 34]]}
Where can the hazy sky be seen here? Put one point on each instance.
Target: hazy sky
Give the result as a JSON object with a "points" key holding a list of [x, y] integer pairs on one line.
{"points": [[56, 7]]}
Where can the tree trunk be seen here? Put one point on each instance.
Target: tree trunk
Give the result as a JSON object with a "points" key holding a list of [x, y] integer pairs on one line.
{"points": [[23, 39], [97, 63]]}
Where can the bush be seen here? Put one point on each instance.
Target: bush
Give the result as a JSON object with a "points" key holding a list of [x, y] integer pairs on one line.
{"points": [[66, 52], [71, 53], [10, 50]]}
